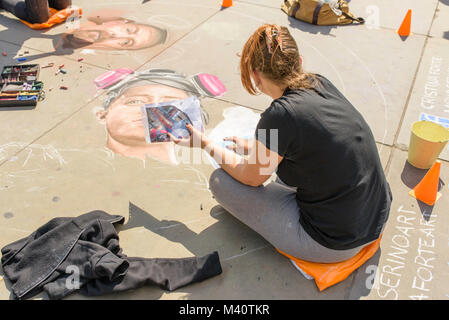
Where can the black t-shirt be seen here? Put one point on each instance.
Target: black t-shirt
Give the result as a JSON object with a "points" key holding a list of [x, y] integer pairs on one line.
{"points": [[330, 155]]}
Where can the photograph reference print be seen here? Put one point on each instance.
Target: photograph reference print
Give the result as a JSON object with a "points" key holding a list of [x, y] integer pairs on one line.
{"points": [[171, 117]]}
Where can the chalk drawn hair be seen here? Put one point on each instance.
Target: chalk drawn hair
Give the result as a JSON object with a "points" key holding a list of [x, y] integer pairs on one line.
{"points": [[200, 85]]}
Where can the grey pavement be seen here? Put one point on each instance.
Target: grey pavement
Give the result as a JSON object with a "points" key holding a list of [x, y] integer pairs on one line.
{"points": [[55, 161]]}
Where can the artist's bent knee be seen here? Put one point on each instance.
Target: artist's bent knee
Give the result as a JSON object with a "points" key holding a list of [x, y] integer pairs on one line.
{"points": [[217, 181], [214, 180]]}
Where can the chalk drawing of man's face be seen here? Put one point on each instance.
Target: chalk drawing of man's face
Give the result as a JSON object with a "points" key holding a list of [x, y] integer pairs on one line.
{"points": [[114, 34], [123, 120], [122, 109]]}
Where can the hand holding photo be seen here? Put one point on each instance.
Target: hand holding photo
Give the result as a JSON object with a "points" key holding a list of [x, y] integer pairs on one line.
{"points": [[171, 117]]}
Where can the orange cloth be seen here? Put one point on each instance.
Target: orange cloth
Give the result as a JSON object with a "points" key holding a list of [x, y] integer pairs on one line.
{"points": [[56, 17], [328, 274]]}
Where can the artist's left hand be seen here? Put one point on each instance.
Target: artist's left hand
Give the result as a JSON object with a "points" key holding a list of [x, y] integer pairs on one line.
{"points": [[197, 138]]}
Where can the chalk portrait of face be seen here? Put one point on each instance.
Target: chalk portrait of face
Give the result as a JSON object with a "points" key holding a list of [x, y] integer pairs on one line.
{"points": [[121, 113], [113, 33]]}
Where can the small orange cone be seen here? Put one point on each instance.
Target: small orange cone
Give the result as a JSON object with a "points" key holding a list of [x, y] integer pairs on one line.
{"points": [[404, 29], [227, 3], [427, 190]]}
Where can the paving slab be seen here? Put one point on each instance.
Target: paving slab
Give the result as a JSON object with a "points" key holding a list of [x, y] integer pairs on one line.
{"points": [[168, 208], [108, 34], [63, 165], [430, 96], [390, 14], [378, 90], [414, 256], [381, 13], [23, 124], [439, 26]]}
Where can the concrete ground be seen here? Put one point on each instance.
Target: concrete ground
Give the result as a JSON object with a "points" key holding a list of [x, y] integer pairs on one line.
{"points": [[54, 160]]}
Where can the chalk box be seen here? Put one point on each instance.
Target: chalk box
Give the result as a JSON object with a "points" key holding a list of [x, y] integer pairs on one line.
{"points": [[20, 86]]}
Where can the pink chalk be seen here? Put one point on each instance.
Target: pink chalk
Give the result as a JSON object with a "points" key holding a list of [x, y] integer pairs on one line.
{"points": [[111, 77], [211, 84]]}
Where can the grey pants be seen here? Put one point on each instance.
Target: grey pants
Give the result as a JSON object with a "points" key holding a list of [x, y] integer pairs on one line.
{"points": [[272, 212]]}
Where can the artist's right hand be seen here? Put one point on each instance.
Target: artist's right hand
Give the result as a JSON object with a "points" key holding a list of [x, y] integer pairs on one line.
{"points": [[240, 146], [197, 138]]}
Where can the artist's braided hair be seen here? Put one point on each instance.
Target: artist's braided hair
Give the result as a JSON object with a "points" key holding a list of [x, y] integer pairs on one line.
{"points": [[158, 76]]}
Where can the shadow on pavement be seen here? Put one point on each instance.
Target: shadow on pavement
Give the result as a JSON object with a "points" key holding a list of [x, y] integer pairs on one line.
{"points": [[18, 33], [203, 243], [211, 239]]}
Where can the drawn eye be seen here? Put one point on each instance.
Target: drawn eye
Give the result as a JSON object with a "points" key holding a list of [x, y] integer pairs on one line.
{"points": [[125, 42], [131, 29], [136, 101]]}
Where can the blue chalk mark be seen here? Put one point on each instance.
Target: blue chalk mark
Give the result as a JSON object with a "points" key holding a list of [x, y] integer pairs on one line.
{"points": [[430, 117]]}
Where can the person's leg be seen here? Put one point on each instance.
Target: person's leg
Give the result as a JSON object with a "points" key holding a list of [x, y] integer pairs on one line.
{"points": [[59, 4], [272, 211], [37, 11], [16, 7]]}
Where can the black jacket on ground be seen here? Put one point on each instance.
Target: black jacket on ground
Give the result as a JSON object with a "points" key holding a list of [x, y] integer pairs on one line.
{"points": [[86, 248]]}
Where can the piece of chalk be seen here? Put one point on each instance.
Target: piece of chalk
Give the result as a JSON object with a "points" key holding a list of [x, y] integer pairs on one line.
{"points": [[22, 59], [63, 71], [63, 88], [61, 66], [80, 59], [4, 53]]}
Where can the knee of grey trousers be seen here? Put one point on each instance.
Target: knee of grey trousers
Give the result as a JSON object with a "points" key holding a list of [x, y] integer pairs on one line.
{"points": [[272, 211]]}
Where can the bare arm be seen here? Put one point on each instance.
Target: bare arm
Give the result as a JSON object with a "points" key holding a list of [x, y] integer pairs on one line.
{"points": [[254, 171]]}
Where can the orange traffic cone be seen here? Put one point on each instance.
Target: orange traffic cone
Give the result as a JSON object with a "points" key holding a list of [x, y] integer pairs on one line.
{"points": [[404, 29], [427, 190], [227, 3]]}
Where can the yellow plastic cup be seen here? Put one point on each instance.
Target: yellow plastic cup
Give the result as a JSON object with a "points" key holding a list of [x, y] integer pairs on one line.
{"points": [[427, 141]]}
